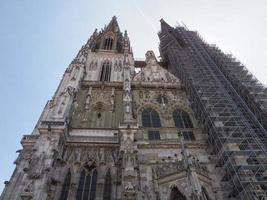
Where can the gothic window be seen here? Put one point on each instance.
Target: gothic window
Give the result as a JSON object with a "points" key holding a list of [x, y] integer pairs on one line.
{"points": [[106, 71], [66, 186], [150, 118], [176, 194], [87, 184], [153, 135], [107, 187], [108, 43], [188, 135], [182, 119]]}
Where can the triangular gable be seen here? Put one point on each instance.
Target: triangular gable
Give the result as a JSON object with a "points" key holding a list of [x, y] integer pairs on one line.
{"points": [[155, 73], [113, 25]]}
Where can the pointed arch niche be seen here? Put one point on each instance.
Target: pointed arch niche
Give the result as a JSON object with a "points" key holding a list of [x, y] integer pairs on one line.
{"points": [[176, 194], [107, 186], [105, 73]]}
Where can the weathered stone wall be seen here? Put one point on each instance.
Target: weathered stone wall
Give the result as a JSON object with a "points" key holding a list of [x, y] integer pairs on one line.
{"points": [[103, 110]]}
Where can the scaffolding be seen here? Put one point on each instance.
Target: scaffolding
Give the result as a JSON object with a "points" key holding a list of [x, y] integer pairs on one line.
{"points": [[247, 85], [235, 134]]}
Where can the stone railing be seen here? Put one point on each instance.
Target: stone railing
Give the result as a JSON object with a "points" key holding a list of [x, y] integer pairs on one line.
{"points": [[93, 139], [169, 168]]}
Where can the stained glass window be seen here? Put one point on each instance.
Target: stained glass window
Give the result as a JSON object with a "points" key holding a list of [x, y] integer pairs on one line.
{"points": [[150, 118], [87, 184], [182, 119]]}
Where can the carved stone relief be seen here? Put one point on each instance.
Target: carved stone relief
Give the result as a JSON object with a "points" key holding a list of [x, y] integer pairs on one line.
{"points": [[98, 155]]}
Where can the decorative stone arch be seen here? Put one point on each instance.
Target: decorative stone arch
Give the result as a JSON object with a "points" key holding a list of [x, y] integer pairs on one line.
{"points": [[180, 189]]}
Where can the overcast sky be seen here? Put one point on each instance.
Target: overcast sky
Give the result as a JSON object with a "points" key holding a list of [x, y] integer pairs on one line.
{"points": [[38, 39]]}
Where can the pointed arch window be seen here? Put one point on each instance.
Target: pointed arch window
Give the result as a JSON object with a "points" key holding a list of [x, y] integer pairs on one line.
{"points": [[87, 184], [105, 71], [176, 194], [66, 186], [107, 187], [108, 43], [182, 119], [150, 118]]}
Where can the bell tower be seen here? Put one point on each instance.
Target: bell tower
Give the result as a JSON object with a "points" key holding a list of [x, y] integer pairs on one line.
{"points": [[73, 152]]}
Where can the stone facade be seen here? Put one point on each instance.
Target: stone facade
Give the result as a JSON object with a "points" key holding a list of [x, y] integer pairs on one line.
{"points": [[91, 141]]}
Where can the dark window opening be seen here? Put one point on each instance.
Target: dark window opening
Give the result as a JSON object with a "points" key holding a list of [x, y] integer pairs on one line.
{"points": [[182, 119], [176, 194], [107, 187], [153, 135], [108, 43], [150, 118], [87, 184], [105, 71], [66, 187]]}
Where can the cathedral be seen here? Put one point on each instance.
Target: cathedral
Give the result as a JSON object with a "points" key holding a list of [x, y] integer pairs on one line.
{"points": [[191, 125]]}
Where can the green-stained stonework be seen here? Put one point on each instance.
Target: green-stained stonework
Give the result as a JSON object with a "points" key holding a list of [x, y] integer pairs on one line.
{"points": [[103, 111]]}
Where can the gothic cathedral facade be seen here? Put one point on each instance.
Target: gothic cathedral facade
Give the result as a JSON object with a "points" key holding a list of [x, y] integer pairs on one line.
{"points": [[110, 132]]}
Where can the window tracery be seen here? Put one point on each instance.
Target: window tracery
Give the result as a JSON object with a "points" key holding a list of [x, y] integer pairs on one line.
{"points": [[108, 43], [87, 183], [105, 71], [150, 118], [182, 119]]}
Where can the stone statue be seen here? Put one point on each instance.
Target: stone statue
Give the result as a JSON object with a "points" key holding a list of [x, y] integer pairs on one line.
{"points": [[75, 73]]}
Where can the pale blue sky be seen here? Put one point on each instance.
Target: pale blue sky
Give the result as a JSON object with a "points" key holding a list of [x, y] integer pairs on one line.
{"points": [[38, 39]]}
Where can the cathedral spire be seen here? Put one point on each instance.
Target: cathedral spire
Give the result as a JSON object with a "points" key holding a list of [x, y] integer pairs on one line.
{"points": [[113, 25], [164, 24], [109, 39]]}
